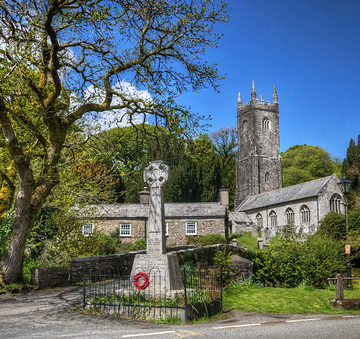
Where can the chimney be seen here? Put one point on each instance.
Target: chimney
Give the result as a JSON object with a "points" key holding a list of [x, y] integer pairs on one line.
{"points": [[144, 196], [224, 196]]}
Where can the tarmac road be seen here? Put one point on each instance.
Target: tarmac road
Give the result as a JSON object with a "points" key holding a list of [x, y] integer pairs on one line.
{"points": [[49, 314]]}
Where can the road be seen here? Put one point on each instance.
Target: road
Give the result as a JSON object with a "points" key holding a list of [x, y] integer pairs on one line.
{"points": [[49, 314]]}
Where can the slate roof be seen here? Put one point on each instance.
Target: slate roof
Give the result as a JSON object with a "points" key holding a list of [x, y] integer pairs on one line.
{"points": [[239, 217], [138, 211], [284, 195]]}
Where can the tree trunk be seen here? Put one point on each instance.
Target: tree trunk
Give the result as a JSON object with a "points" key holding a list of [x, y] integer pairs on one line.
{"points": [[12, 263], [23, 221]]}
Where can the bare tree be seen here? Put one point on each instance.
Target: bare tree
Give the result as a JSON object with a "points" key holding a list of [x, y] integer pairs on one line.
{"points": [[225, 142], [63, 61]]}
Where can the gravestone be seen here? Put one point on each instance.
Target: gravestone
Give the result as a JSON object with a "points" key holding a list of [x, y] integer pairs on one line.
{"points": [[162, 269]]}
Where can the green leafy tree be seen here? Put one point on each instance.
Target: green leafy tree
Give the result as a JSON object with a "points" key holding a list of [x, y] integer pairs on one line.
{"points": [[303, 163], [63, 62], [333, 225], [194, 165]]}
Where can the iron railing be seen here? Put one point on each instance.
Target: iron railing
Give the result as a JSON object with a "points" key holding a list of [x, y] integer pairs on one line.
{"points": [[115, 293]]}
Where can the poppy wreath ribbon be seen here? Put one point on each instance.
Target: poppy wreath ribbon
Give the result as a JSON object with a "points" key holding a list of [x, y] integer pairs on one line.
{"points": [[136, 282]]}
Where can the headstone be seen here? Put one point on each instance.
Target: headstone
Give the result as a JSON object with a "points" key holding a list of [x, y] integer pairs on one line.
{"points": [[260, 244], [163, 269]]}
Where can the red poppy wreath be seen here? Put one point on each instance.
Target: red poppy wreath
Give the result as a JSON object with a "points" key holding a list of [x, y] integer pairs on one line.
{"points": [[136, 282]]}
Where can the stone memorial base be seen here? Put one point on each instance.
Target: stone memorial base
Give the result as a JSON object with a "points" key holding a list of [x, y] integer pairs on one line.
{"points": [[163, 271]]}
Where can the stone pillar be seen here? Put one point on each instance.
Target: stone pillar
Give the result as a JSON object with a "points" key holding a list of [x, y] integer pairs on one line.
{"points": [[155, 176], [144, 197], [224, 197], [162, 269]]}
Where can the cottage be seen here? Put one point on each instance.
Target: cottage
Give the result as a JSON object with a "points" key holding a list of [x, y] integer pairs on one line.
{"points": [[130, 221]]}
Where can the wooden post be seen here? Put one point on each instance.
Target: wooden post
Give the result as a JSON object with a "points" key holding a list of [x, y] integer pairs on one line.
{"points": [[339, 287]]}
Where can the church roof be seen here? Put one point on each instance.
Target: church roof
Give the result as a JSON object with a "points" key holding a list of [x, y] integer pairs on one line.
{"points": [[141, 211], [239, 217], [284, 195]]}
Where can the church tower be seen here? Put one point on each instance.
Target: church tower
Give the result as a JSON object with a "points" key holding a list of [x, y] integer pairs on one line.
{"points": [[258, 166]]}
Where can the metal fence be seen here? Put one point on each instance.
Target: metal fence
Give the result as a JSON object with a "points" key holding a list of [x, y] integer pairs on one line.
{"points": [[119, 293]]}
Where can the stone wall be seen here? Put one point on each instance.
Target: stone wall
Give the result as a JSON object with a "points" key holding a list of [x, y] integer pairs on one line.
{"points": [[43, 277], [280, 210], [123, 262], [325, 195], [109, 226], [176, 228], [103, 264]]}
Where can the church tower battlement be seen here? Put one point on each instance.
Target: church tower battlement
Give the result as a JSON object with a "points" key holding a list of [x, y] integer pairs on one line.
{"points": [[258, 166]]}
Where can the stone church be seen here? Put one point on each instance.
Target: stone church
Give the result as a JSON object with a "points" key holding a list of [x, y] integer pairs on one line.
{"points": [[261, 203]]}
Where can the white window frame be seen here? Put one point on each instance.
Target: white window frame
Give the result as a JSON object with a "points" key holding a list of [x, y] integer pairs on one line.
{"points": [[192, 224], [85, 226], [305, 215], [259, 220], [273, 219], [290, 216], [266, 123], [335, 203], [166, 229], [122, 232]]}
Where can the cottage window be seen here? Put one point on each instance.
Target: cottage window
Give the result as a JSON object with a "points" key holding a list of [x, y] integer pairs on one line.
{"points": [[259, 220], [125, 230], [305, 215], [266, 123], [290, 216], [273, 219], [191, 228], [335, 203], [267, 177], [88, 229]]}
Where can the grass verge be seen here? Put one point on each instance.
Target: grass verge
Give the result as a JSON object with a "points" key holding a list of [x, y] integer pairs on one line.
{"points": [[300, 300]]}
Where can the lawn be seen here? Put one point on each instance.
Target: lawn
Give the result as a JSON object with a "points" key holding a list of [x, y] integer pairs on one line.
{"points": [[300, 300], [248, 240]]}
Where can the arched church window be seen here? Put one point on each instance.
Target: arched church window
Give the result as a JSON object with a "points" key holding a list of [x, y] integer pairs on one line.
{"points": [[245, 126], [335, 202], [267, 177], [259, 220], [266, 123], [305, 214], [290, 216], [273, 219]]}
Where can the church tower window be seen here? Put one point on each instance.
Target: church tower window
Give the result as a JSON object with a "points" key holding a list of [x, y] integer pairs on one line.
{"points": [[335, 203], [267, 177], [273, 219], [259, 221], [266, 123], [305, 215], [290, 216], [245, 126]]}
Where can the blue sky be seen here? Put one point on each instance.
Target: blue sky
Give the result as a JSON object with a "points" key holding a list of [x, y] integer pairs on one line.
{"points": [[310, 50]]}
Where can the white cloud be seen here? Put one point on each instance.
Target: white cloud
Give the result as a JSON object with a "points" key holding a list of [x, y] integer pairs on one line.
{"points": [[94, 122]]}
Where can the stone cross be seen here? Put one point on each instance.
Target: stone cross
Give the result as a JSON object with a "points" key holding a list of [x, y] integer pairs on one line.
{"points": [[155, 176]]}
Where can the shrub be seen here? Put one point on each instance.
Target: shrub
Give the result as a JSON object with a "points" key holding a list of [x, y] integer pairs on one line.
{"points": [[321, 258], [69, 242], [333, 224], [222, 260], [290, 263]]}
